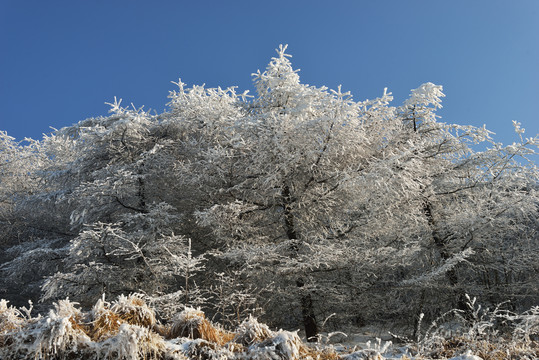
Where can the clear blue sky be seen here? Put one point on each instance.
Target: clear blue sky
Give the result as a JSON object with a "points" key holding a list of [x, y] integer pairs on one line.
{"points": [[62, 60]]}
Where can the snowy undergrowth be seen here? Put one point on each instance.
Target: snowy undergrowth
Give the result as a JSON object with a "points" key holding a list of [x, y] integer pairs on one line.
{"points": [[127, 329], [477, 333]]}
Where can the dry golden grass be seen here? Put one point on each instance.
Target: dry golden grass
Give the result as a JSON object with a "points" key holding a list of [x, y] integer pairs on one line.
{"points": [[105, 326], [10, 322], [193, 324], [163, 330], [487, 350], [133, 310], [318, 354], [10, 318], [78, 324]]}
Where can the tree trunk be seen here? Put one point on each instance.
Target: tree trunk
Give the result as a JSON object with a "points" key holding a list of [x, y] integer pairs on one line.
{"points": [[441, 246], [307, 311], [307, 308], [439, 242]]}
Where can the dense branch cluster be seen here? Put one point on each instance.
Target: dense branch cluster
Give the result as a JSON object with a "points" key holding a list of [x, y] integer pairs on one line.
{"points": [[294, 204]]}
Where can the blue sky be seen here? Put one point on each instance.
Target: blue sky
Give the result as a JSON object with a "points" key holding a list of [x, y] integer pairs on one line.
{"points": [[62, 60]]}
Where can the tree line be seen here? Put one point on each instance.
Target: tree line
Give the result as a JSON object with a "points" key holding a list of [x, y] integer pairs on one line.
{"points": [[293, 204]]}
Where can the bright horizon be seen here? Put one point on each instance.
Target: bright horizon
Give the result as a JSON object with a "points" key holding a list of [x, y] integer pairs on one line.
{"points": [[64, 60]]}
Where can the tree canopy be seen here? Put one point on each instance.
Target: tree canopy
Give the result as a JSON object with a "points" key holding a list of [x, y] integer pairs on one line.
{"points": [[308, 202]]}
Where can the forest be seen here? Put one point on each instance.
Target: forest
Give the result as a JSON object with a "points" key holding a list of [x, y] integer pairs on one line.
{"points": [[298, 207]]}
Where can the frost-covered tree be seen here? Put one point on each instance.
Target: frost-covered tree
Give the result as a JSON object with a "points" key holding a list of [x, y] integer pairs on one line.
{"points": [[19, 179], [29, 227], [139, 254], [120, 207], [469, 205], [321, 192], [103, 206], [10, 180], [333, 205], [291, 176]]}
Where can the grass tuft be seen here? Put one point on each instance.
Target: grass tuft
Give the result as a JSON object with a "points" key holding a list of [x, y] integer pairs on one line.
{"points": [[192, 323], [251, 331], [133, 310]]}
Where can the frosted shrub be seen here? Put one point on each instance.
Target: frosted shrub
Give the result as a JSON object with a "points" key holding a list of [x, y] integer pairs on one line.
{"points": [[526, 326], [251, 331], [186, 323], [284, 345], [134, 310], [106, 323], [11, 318], [133, 342], [490, 334], [60, 333], [202, 349], [192, 323], [12, 321], [234, 299]]}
